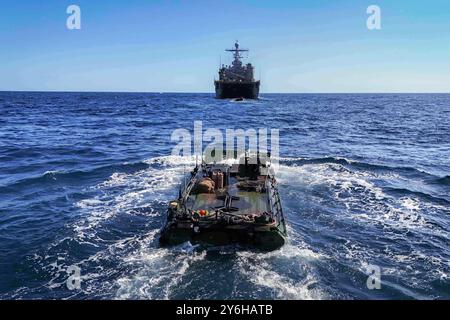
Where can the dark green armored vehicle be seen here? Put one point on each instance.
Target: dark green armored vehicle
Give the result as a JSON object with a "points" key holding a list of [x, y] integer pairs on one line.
{"points": [[228, 203]]}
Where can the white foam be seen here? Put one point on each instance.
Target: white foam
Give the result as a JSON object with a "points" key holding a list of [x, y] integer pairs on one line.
{"points": [[261, 270], [123, 192], [357, 192], [159, 272]]}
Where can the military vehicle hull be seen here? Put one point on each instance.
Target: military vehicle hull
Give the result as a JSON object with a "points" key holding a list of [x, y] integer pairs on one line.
{"points": [[262, 238], [233, 89]]}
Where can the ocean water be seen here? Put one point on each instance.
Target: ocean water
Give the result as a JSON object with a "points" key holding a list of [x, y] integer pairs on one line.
{"points": [[85, 179]]}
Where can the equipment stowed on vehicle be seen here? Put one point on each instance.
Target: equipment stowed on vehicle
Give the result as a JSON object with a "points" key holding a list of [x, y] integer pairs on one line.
{"points": [[228, 203]]}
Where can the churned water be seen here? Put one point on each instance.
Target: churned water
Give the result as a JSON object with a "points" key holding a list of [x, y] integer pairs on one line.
{"points": [[85, 179]]}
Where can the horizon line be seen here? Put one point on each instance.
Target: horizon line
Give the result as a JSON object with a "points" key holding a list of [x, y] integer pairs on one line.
{"points": [[211, 93]]}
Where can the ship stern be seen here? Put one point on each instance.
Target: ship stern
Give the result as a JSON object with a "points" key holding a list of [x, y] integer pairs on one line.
{"points": [[233, 90]]}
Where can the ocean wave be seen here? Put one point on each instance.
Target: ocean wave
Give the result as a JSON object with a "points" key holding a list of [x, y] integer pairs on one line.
{"points": [[423, 195], [63, 177], [359, 193], [357, 165], [445, 181], [128, 193], [367, 208]]}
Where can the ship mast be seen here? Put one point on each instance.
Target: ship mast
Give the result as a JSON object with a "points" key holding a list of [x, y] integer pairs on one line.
{"points": [[237, 52]]}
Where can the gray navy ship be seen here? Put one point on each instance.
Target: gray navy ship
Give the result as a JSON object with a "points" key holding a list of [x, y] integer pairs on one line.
{"points": [[237, 81]]}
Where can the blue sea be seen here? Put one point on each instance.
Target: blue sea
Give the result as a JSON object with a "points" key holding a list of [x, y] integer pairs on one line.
{"points": [[85, 179]]}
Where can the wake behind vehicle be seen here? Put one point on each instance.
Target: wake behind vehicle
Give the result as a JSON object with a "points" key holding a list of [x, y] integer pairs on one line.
{"points": [[228, 203]]}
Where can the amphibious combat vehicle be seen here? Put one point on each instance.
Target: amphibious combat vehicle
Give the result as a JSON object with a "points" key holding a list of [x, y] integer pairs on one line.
{"points": [[222, 203]]}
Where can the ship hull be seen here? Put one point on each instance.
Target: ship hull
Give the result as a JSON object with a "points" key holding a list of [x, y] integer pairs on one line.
{"points": [[232, 90]]}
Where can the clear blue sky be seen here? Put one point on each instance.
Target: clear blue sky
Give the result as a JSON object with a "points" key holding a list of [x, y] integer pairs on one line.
{"points": [[164, 45]]}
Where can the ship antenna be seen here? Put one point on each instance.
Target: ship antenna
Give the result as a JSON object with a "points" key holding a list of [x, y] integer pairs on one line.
{"points": [[237, 51]]}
